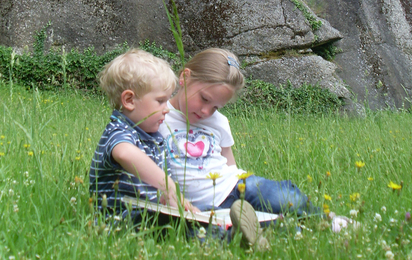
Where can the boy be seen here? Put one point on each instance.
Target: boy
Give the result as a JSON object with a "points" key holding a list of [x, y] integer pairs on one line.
{"points": [[129, 157]]}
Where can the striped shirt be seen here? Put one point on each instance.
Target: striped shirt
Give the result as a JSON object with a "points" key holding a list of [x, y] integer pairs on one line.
{"points": [[105, 171]]}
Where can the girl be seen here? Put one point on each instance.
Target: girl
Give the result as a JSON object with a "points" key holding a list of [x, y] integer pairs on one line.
{"points": [[203, 149]]}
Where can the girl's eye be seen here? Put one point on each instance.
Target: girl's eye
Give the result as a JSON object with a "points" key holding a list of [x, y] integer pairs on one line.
{"points": [[204, 99]]}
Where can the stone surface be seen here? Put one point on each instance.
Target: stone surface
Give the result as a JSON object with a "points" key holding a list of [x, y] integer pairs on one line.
{"points": [[374, 67]]}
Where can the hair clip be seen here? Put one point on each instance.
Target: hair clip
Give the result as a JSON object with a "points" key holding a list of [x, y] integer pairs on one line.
{"points": [[232, 62]]}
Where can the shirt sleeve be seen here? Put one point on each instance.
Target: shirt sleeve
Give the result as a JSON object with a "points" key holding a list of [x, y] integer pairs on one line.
{"points": [[226, 134]]}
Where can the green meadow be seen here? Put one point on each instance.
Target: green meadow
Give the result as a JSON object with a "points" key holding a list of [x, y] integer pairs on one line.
{"points": [[359, 167]]}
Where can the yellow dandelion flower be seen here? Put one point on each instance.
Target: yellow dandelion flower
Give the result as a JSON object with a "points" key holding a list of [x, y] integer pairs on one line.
{"points": [[327, 197], [30, 153], [244, 175], [2, 154], [328, 174], [241, 187], [77, 158], [87, 128], [78, 180], [310, 179], [394, 186], [370, 179], [2, 137], [213, 176], [26, 145], [326, 209], [354, 196], [359, 164]]}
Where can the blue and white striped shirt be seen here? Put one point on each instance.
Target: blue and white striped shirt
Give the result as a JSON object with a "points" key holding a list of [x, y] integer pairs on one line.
{"points": [[105, 171]]}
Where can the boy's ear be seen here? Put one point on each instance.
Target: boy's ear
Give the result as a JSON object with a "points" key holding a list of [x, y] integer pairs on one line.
{"points": [[128, 101]]}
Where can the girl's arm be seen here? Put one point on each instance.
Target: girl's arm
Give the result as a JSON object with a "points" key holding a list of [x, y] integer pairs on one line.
{"points": [[135, 161], [227, 152]]}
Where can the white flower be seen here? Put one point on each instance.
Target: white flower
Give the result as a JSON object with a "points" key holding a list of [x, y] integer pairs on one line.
{"points": [[383, 209], [377, 218], [202, 232], [389, 255], [73, 201], [298, 236], [353, 213], [392, 221]]}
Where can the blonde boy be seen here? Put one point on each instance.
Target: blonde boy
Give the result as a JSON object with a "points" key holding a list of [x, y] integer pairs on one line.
{"points": [[129, 157]]}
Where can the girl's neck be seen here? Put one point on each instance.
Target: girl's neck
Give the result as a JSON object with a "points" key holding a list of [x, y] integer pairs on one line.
{"points": [[174, 102]]}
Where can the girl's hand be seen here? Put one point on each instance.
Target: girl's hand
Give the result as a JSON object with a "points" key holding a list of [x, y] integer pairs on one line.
{"points": [[189, 207]]}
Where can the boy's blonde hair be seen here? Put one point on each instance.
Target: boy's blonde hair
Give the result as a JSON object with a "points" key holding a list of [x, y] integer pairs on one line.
{"points": [[135, 70], [216, 66]]}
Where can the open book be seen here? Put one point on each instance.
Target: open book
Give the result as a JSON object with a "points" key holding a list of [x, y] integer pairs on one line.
{"points": [[220, 217]]}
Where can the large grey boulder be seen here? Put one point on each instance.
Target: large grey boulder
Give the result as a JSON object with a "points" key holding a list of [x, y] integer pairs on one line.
{"points": [[374, 67]]}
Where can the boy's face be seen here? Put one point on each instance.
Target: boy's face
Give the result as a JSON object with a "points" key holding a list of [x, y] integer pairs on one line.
{"points": [[203, 99], [152, 106]]}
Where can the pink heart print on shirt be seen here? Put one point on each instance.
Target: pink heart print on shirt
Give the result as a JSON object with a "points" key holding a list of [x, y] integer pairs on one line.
{"points": [[195, 149]]}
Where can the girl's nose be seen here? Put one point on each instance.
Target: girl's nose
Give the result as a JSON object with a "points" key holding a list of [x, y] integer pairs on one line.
{"points": [[166, 110]]}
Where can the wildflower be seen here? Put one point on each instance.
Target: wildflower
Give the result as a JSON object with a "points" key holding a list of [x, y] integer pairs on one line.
{"points": [[408, 217], [389, 255], [328, 174], [104, 201], [377, 218], [77, 158], [73, 201], [213, 176], [370, 179], [326, 209], [244, 175], [383, 209], [354, 196], [202, 233], [327, 197], [309, 178], [359, 164], [26, 145], [241, 187], [353, 213], [394, 186], [78, 180], [2, 137], [30, 153], [2, 154], [15, 208], [392, 221], [298, 236]]}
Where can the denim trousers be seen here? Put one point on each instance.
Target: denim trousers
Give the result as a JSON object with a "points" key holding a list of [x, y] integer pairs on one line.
{"points": [[273, 197]]}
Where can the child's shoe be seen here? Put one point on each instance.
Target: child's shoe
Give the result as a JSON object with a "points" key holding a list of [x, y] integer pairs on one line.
{"points": [[245, 220]]}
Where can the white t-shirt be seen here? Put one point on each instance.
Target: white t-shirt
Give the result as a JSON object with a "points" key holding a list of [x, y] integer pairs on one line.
{"points": [[203, 146]]}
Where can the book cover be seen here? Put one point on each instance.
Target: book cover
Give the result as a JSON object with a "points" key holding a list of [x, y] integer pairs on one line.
{"points": [[221, 217]]}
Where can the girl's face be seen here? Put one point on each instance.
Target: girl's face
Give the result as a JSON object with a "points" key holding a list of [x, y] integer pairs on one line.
{"points": [[203, 99]]}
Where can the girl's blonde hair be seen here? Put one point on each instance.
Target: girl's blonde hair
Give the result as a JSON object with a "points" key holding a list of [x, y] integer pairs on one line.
{"points": [[216, 66], [135, 70]]}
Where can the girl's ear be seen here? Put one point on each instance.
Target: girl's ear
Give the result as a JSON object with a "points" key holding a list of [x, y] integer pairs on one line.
{"points": [[128, 101], [184, 77]]}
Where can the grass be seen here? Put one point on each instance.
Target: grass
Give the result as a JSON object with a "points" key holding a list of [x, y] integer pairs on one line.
{"points": [[47, 141]]}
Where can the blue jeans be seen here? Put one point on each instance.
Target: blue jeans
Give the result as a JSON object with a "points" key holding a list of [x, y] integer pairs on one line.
{"points": [[273, 196]]}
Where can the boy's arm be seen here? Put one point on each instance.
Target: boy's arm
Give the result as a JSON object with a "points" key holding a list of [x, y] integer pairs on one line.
{"points": [[135, 161], [227, 152]]}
